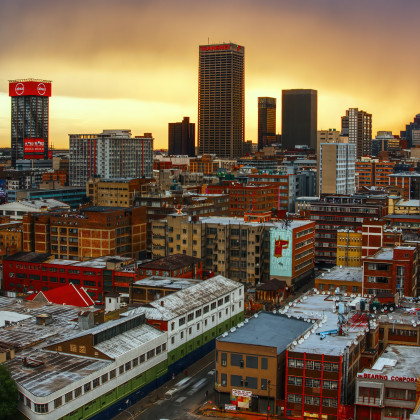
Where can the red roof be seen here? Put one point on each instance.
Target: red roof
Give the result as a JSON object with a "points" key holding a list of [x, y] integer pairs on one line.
{"points": [[66, 295]]}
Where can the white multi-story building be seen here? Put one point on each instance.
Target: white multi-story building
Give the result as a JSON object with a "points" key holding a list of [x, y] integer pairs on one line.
{"points": [[337, 168], [357, 125], [111, 154]]}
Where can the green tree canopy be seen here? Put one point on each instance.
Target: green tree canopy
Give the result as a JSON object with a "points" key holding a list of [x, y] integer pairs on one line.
{"points": [[8, 394]]}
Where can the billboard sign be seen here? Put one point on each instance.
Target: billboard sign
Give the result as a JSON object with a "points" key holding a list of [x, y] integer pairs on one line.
{"points": [[33, 148], [30, 88], [281, 252]]}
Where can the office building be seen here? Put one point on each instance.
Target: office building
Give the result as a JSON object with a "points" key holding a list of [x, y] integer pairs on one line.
{"points": [[181, 138], [221, 100], [389, 388], [357, 125], [299, 118], [30, 119], [336, 168], [266, 122], [385, 141], [407, 134], [111, 154]]}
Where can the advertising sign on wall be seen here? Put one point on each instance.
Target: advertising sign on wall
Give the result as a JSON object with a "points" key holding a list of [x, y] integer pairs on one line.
{"points": [[33, 148], [281, 252], [30, 88]]}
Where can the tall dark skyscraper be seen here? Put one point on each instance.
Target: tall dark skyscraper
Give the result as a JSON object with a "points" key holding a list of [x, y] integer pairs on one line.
{"points": [[181, 138], [266, 121], [221, 100], [299, 118], [30, 119]]}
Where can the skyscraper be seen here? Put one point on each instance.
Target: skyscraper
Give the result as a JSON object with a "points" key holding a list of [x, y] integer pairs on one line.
{"points": [[111, 154], [221, 100], [299, 118], [409, 128], [266, 121], [30, 121], [357, 125], [181, 138]]}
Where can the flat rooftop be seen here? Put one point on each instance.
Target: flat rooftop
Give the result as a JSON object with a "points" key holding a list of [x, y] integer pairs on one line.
{"points": [[320, 308], [397, 361], [56, 371], [167, 282], [354, 274], [171, 262], [267, 329]]}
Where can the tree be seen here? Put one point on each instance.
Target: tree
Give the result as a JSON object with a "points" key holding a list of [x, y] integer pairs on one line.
{"points": [[8, 394]]}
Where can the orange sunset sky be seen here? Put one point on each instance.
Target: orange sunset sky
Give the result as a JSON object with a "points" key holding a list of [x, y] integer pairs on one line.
{"points": [[134, 64]]}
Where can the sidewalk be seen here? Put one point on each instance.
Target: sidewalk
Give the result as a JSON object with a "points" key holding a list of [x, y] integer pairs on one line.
{"points": [[210, 410], [140, 406]]}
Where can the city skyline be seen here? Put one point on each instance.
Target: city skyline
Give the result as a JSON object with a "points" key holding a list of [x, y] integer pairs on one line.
{"points": [[143, 74]]}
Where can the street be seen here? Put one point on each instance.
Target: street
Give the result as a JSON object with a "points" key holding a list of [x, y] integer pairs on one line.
{"points": [[182, 403]]}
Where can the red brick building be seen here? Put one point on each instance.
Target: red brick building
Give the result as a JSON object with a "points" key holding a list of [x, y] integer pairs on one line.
{"points": [[373, 173], [89, 233], [247, 197], [375, 235], [391, 270]]}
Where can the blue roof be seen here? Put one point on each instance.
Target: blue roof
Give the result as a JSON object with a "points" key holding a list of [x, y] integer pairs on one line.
{"points": [[268, 329]]}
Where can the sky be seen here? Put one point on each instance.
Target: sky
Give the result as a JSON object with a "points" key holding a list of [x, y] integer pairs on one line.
{"points": [[118, 64]]}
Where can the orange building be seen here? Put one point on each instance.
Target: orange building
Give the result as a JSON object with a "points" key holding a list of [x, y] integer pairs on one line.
{"points": [[373, 173], [60, 176], [89, 233], [203, 164], [10, 237]]}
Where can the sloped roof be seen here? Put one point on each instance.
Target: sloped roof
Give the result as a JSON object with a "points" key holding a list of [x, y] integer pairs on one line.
{"points": [[65, 295]]}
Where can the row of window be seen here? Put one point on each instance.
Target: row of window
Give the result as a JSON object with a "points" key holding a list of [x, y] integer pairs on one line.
{"points": [[313, 365], [311, 400], [312, 382], [71, 395]]}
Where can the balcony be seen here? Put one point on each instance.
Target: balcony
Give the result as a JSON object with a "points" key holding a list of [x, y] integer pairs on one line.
{"points": [[369, 402]]}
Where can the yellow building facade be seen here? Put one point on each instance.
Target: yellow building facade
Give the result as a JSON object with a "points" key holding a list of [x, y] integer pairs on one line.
{"points": [[349, 248]]}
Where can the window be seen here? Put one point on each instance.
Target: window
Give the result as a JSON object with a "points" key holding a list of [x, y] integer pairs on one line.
{"points": [[263, 384], [121, 369], [127, 366], [104, 378], [223, 359], [198, 313], [87, 387], [112, 374], [68, 397], [330, 384], [252, 362], [150, 354], [206, 309], [309, 399], [223, 378], [95, 382], [235, 380], [295, 380], [41, 408], [236, 360], [78, 392], [312, 383], [213, 306], [294, 398], [190, 316], [264, 363], [58, 402], [182, 321]]}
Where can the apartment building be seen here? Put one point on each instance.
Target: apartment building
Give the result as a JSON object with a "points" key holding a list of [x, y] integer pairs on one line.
{"points": [[88, 233], [391, 270], [333, 212], [243, 251], [111, 154], [374, 172], [349, 248]]}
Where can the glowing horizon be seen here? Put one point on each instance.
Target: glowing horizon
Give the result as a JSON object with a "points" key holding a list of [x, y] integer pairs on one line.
{"points": [[134, 64]]}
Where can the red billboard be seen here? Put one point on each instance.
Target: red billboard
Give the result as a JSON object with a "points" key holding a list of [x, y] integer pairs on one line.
{"points": [[30, 88], [33, 148]]}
